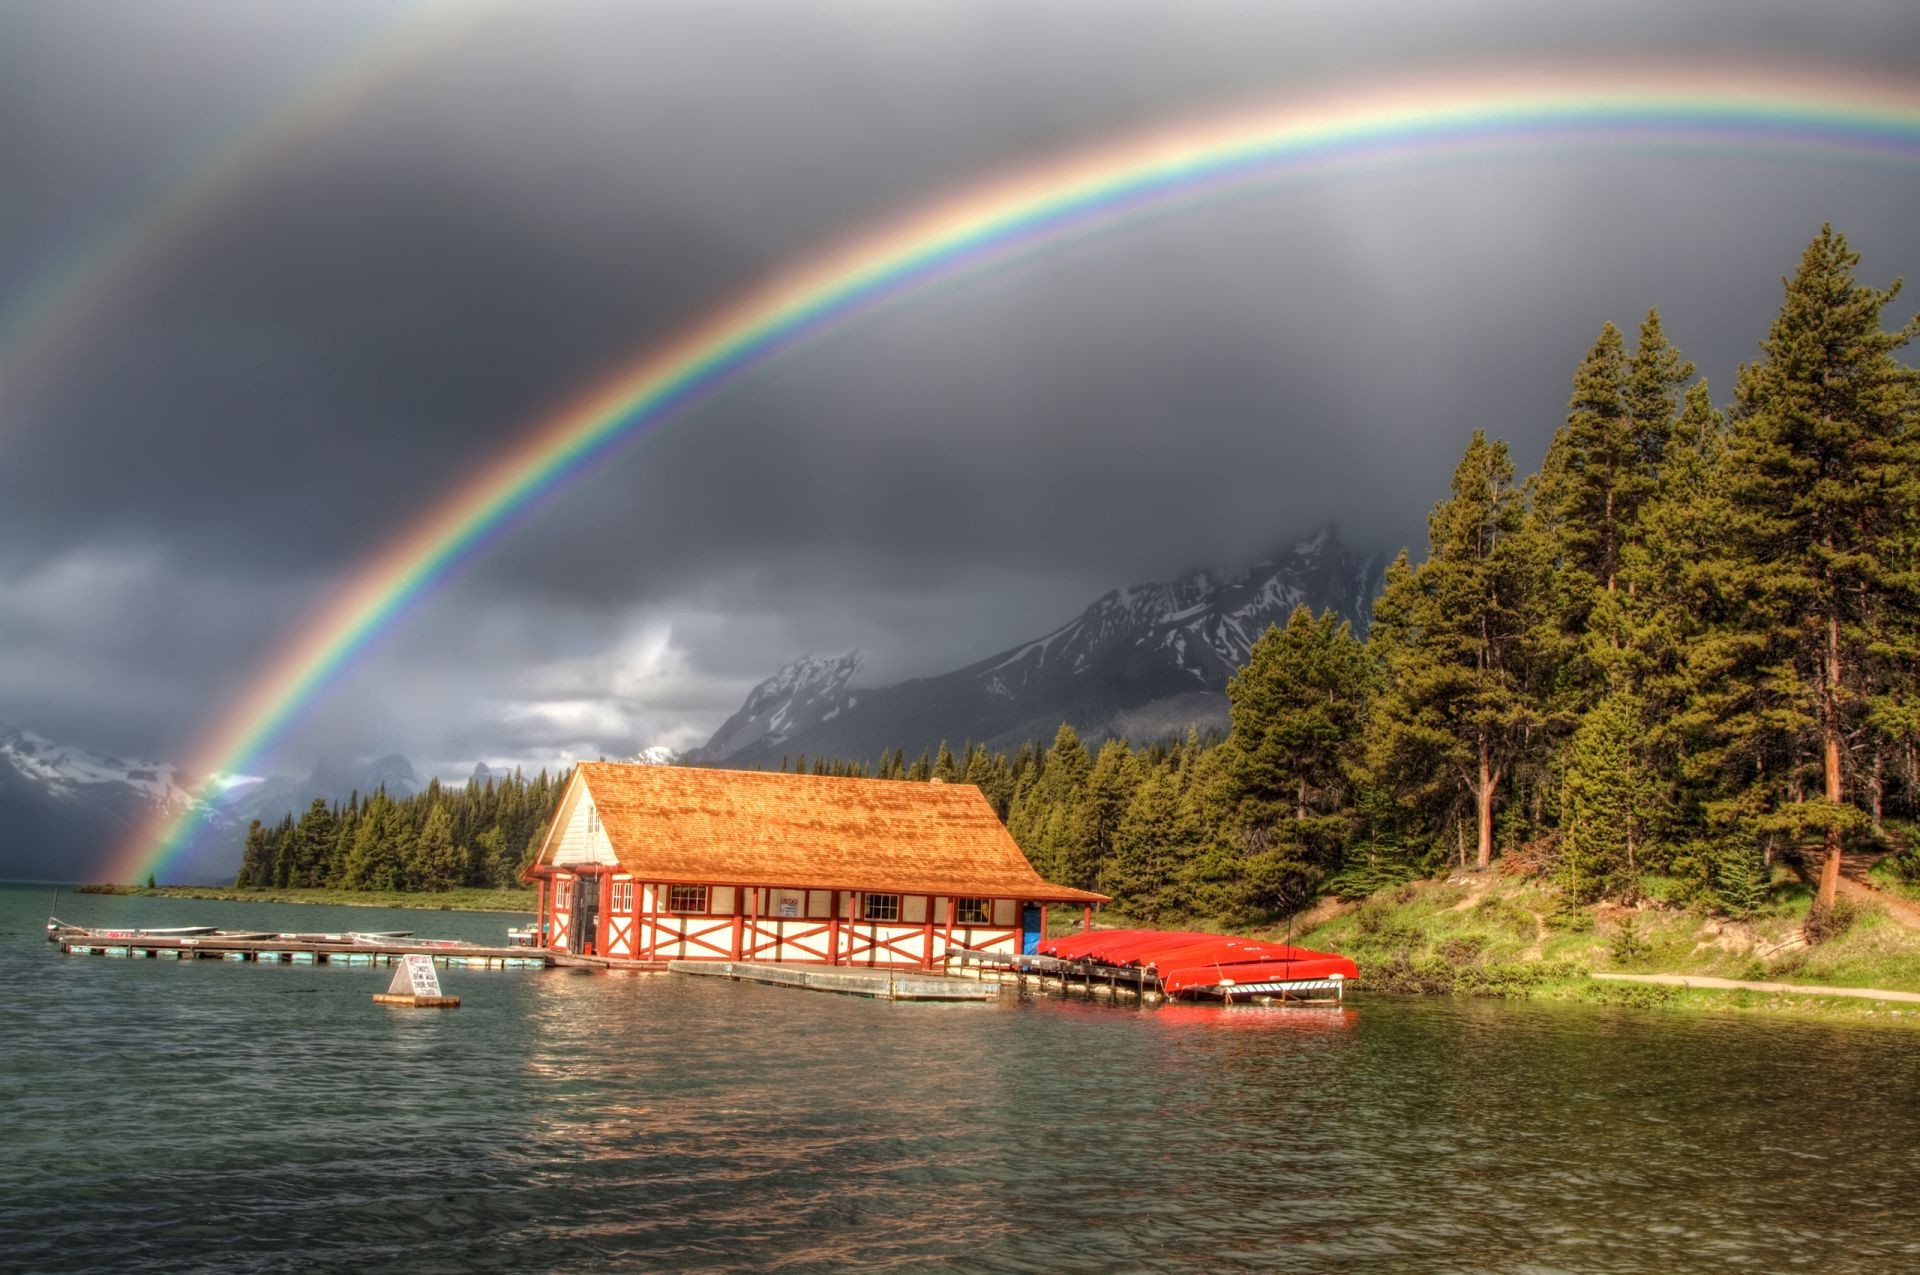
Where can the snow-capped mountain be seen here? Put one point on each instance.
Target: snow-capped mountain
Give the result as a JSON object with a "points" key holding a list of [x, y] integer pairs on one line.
{"points": [[64, 808], [1141, 662], [655, 755], [804, 694], [64, 770]]}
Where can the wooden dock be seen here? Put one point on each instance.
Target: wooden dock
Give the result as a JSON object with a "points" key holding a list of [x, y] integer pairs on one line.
{"points": [[880, 984], [287, 951]]}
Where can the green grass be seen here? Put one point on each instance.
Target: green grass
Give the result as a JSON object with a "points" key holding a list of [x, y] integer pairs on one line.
{"points": [[462, 900], [1504, 936], [1884, 877]]}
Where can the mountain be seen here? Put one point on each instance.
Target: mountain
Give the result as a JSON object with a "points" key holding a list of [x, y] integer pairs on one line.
{"points": [[65, 809], [804, 695], [655, 755], [270, 800], [1142, 662]]}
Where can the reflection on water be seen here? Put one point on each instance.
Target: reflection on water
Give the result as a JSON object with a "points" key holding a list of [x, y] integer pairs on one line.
{"points": [[178, 1116]]}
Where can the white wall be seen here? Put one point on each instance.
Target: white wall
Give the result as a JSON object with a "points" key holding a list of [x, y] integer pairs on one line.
{"points": [[584, 839]]}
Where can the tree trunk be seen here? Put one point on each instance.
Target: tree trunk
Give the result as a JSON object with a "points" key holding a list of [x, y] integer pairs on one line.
{"points": [[1877, 793], [1483, 807], [1830, 732]]}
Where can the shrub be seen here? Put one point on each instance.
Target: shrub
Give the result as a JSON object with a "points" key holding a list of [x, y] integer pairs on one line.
{"points": [[1824, 923], [1628, 944], [1631, 995], [1461, 949]]}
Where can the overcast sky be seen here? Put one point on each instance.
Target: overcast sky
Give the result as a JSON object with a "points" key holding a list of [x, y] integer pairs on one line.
{"points": [[363, 315]]}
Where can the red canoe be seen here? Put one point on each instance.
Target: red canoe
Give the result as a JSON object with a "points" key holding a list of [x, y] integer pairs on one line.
{"points": [[1195, 963]]}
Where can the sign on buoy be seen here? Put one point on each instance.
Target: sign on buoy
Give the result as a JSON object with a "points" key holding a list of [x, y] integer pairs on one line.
{"points": [[416, 984]]}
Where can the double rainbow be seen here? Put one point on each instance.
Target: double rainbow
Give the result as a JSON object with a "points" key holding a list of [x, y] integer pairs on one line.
{"points": [[1762, 110]]}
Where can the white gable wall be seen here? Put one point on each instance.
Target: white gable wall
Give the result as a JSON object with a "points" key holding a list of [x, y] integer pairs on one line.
{"points": [[584, 840]]}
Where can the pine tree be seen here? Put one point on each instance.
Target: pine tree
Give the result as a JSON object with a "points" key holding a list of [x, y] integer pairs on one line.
{"points": [[1824, 479], [1109, 790], [1157, 837], [1457, 637], [441, 864], [943, 765], [256, 859], [1605, 797]]}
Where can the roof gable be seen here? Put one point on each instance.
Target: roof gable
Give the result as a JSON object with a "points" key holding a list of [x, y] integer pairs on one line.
{"points": [[682, 823]]}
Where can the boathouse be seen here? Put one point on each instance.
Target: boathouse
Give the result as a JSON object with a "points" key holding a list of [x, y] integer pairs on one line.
{"points": [[657, 863]]}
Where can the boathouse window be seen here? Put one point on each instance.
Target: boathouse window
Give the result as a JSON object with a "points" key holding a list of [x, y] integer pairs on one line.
{"points": [[623, 896], [563, 892], [593, 819], [971, 912], [687, 898], [882, 907]]}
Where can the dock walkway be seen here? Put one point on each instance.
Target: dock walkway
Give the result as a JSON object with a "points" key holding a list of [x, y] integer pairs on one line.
{"points": [[881, 984], [289, 951]]}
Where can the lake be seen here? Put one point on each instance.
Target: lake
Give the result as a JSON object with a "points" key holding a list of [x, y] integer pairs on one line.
{"points": [[166, 1115]]}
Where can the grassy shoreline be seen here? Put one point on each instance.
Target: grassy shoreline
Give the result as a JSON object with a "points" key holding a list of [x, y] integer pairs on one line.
{"points": [[462, 900], [1485, 934]]}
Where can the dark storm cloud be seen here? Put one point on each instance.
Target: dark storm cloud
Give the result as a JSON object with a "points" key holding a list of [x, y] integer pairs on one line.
{"points": [[372, 314]]}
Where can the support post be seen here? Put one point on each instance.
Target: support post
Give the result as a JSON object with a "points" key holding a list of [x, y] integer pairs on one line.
{"points": [[604, 928], [833, 932]]}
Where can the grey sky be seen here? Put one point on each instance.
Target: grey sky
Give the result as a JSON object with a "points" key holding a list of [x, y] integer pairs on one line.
{"points": [[364, 318]]}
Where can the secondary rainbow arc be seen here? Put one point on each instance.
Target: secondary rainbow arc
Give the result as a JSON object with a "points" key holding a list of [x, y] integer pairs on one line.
{"points": [[1766, 109]]}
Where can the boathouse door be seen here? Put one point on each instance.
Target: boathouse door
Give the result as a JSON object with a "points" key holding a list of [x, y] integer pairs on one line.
{"points": [[1030, 930], [585, 922]]}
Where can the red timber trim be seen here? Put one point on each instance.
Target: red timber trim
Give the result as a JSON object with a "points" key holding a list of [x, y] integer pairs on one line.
{"points": [[833, 931], [689, 936], [739, 912], [602, 945], [926, 938], [560, 917], [621, 939], [540, 915]]}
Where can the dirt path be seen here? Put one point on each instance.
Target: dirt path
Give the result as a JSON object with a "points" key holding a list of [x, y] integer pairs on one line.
{"points": [[1907, 914], [1741, 985]]}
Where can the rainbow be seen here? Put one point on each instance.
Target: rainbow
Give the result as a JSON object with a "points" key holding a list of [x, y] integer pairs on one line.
{"points": [[49, 315], [1767, 110]]}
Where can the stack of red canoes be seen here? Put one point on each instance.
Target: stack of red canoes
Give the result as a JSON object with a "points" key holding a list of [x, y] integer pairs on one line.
{"points": [[1192, 962]]}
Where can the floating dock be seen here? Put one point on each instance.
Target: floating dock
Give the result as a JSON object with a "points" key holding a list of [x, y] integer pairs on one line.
{"points": [[285, 951], [879, 983]]}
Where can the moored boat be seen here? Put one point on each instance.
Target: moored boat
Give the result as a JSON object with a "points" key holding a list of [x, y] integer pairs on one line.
{"points": [[1196, 965], [58, 929]]}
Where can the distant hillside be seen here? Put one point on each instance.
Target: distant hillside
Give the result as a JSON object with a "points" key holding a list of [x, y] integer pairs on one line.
{"points": [[1141, 662]]}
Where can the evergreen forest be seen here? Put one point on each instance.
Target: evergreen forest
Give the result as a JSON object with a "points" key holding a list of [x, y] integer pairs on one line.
{"points": [[1685, 648], [480, 835]]}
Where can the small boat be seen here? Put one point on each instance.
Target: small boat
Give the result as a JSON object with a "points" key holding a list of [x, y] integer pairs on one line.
{"points": [[374, 938], [1195, 965], [58, 929]]}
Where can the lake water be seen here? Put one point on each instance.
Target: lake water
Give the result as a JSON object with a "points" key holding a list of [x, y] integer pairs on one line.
{"points": [[202, 1115]]}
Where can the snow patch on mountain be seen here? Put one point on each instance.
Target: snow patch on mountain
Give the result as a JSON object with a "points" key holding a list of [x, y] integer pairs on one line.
{"points": [[802, 694], [64, 770], [1139, 658]]}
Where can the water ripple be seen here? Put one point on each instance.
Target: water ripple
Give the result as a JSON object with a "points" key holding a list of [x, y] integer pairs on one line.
{"points": [[200, 1116]]}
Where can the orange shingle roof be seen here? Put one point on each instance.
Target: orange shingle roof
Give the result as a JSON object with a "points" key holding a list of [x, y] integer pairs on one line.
{"points": [[683, 824]]}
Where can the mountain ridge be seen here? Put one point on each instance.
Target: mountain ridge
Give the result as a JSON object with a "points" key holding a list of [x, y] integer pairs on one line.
{"points": [[1143, 661]]}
